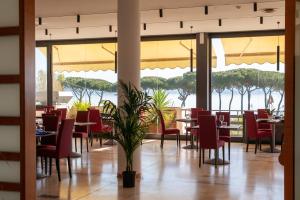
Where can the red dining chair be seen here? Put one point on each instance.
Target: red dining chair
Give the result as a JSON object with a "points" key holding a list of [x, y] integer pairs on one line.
{"points": [[62, 149], [194, 114], [167, 131], [224, 134], [50, 123], [63, 113], [82, 131], [99, 128], [195, 132], [48, 109], [263, 114], [209, 137], [58, 113], [253, 133]]}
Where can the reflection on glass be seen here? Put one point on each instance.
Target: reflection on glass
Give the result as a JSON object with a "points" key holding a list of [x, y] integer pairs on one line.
{"points": [[41, 76]]}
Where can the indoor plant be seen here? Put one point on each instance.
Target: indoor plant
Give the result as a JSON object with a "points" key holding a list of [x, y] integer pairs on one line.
{"points": [[130, 120]]}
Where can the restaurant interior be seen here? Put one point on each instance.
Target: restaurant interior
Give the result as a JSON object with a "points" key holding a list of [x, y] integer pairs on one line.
{"points": [[161, 99]]}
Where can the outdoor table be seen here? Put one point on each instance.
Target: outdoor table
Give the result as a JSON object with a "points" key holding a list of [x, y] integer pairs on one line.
{"points": [[273, 122], [220, 161], [192, 121]]}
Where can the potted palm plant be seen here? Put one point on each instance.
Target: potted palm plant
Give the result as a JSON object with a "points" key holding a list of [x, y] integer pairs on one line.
{"points": [[131, 121]]}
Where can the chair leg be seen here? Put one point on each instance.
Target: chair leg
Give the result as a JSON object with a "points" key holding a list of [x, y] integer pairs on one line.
{"points": [[75, 144], [50, 165], [223, 151], [177, 140], [256, 145], [260, 144], [216, 157], [203, 154], [247, 148], [200, 160], [271, 144], [81, 145], [69, 166], [162, 141], [229, 145], [100, 139], [58, 169], [92, 138], [87, 144], [209, 154], [46, 165], [186, 137], [42, 163]]}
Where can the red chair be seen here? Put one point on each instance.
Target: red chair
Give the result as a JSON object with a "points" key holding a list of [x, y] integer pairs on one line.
{"points": [[63, 113], [263, 114], [62, 149], [167, 131], [224, 134], [99, 128], [253, 133], [57, 113], [82, 131], [48, 109], [50, 123], [209, 137], [195, 132], [194, 114]]}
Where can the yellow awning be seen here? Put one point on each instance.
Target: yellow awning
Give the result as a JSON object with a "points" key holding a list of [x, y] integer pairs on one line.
{"points": [[94, 57], [251, 50]]}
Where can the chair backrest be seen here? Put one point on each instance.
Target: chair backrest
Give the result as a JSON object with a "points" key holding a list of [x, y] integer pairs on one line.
{"points": [[223, 132], [64, 138], [194, 112], [82, 116], [251, 125], [95, 116], [162, 121], [208, 131], [50, 123], [63, 113], [262, 113], [57, 113], [48, 109]]}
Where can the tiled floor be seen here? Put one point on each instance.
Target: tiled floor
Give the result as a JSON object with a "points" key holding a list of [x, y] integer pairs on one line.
{"points": [[168, 174]]}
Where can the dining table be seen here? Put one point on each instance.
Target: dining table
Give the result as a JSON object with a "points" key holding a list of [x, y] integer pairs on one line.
{"points": [[220, 161], [273, 123], [191, 121]]}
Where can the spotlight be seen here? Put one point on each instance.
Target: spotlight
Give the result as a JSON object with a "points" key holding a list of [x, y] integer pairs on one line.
{"points": [[181, 24], [40, 21], [261, 20], [77, 30], [255, 7], [110, 28], [145, 26], [220, 22], [46, 31], [78, 18], [206, 10], [161, 13]]}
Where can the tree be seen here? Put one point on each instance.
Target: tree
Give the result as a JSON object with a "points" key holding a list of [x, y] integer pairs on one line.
{"points": [[153, 83], [279, 87], [185, 85], [250, 82], [266, 83], [239, 79], [101, 86], [230, 83], [218, 83], [77, 86]]}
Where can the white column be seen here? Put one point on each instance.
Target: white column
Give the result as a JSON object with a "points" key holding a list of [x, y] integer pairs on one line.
{"points": [[129, 61]]}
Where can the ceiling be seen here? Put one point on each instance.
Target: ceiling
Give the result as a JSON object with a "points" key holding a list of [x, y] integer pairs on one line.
{"points": [[59, 17]]}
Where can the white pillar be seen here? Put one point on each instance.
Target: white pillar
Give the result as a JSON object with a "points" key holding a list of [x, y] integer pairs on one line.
{"points": [[129, 61]]}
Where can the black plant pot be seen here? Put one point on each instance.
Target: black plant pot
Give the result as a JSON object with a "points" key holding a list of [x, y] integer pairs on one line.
{"points": [[129, 179]]}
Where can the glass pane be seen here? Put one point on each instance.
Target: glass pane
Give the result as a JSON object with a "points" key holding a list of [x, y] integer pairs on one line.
{"points": [[41, 76], [166, 75], [10, 171], [9, 48], [9, 13], [10, 100], [84, 75], [9, 195], [245, 75], [10, 139]]}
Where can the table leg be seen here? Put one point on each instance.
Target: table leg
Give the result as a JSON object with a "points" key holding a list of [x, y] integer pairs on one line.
{"points": [[273, 142]]}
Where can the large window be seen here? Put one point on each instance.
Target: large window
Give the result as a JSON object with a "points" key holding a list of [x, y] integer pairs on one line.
{"points": [[246, 76], [41, 76], [166, 74], [84, 75]]}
